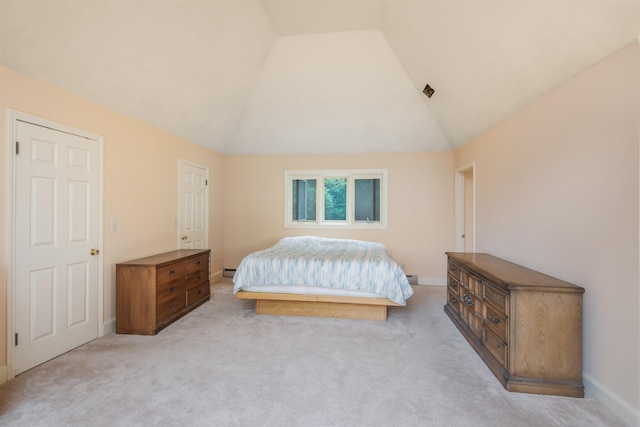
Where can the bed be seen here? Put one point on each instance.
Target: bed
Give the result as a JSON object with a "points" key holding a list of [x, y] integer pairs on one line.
{"points": [[316, 276]]}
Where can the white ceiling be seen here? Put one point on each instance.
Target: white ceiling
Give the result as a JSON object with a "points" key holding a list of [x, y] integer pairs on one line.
{"points": [[306, 76]]}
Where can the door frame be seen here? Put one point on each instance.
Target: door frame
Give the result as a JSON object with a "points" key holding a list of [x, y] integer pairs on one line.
{"points": [[12, 119], [460, 208], [182, 162]]}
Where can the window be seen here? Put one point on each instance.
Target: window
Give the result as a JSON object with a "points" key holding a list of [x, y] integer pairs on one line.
{"points": [[336, 198], [304, 199], [367, 199]]}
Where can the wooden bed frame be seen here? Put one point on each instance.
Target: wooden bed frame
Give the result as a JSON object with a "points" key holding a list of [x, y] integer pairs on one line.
{"points": [[319, 305]]}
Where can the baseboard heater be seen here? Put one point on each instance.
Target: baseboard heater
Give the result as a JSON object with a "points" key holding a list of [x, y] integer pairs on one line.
{"points": [[413, 280]]}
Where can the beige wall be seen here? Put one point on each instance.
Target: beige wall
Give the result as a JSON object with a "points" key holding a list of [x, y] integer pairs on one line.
{"points": [[557, 191], [140, 180], [420, 196]]}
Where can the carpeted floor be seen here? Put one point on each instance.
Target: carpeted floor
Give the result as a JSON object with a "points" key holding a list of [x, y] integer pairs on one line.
{"points": [[222, 365]]}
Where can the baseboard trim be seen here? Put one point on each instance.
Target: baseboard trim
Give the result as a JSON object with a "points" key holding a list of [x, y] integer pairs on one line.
{"points": [[621, 408], [4, 370], [228, 272], [215, 277], [432, 281], [109, 327]]}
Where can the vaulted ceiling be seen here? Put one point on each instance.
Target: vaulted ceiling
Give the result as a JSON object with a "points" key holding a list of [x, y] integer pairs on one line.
{"points": [[313, 76]]}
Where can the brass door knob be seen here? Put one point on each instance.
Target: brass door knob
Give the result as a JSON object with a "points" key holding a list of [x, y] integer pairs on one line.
{"points": [[184, 237], [94, 251]]}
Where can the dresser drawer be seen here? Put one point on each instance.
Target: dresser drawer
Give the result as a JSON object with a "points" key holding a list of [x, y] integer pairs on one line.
{"points": [[452, 300], [198, 293], [196, 278], [496, 320], [453, 284], [496, 296], [453, 269], [197, 263], [169, 290], [495, 346], [170, 272], [169, 307]]}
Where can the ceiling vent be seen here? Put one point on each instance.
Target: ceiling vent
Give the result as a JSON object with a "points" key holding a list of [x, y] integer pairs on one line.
{"points": [[428, 90]]}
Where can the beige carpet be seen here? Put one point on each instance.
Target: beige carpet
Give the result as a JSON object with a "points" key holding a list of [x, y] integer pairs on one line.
{"points": [[222, 365]]}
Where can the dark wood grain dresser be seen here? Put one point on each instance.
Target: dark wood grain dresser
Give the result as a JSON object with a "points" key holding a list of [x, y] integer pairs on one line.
{"points": [[526, 326], [155, 291]]}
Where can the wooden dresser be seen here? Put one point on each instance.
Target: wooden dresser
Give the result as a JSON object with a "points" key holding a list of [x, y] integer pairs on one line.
{"points": [[526, 326], [155, 291]]}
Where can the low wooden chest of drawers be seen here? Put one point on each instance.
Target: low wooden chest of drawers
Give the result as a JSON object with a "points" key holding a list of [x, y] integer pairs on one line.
{"points": [[526, 326], [155, 291]]}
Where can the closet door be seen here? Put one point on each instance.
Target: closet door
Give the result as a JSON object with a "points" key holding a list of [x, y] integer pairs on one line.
{"points": [[57, 204]]}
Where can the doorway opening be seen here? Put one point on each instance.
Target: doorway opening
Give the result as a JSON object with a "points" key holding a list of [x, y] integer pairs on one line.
{"points": [[465, 208]]}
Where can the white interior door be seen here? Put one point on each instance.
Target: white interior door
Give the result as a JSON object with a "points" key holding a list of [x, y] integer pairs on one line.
{"points": [[57, 228], [193, 215]]}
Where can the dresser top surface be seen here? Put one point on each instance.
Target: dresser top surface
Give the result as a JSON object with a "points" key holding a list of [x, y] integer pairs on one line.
{"points": [[511, 275], [166, 257]]}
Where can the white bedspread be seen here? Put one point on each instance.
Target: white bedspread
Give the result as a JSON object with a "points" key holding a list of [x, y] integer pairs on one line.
{"points": [[332, 264]]}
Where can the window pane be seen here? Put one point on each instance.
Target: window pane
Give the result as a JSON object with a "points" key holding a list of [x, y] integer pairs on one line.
{"points": [[335, 199], [367, 200], [304, 199]]}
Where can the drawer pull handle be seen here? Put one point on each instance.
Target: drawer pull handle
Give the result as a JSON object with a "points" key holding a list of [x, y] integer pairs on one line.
{"points": [[467, 299], [172, 272], [199, 291], [198, 263], [172, 306], [494, 319], [171, 289], [198, 277]]}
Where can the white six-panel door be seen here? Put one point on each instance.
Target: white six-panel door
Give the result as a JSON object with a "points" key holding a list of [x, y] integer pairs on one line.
{"points": [[56, 238], [193, 216]]}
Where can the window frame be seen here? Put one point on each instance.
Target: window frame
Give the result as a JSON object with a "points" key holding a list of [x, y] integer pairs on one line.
{"points": [[320, 175]]}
